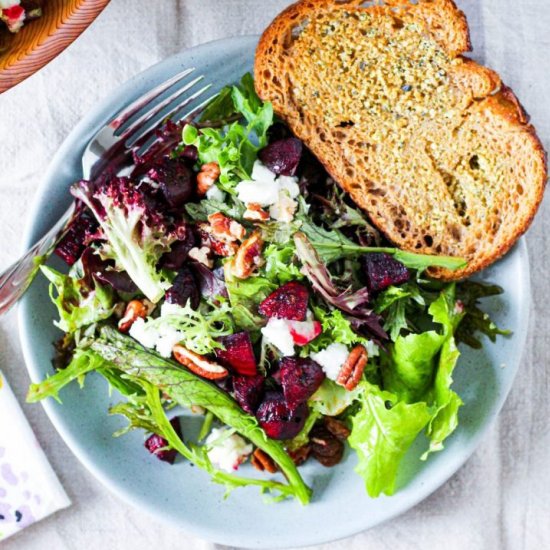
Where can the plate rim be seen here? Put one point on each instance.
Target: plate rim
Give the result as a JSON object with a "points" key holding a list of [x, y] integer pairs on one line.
{"points": [[32, 227]]}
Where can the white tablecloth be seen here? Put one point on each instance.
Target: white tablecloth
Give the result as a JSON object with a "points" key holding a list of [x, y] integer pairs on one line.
{"points": [[501, 498]]}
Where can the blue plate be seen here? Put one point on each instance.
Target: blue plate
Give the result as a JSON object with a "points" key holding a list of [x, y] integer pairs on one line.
{"points": [[183, 495]]}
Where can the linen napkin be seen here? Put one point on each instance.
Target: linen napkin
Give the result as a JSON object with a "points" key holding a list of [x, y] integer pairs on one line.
{"points": [[29, 488]]}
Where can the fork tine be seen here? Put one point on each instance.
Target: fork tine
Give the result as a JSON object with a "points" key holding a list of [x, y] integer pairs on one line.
{"points": [[122, 116], [169, 110], [138, 127]]}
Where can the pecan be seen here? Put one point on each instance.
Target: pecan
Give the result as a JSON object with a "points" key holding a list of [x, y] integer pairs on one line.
{"points": [[206, 178], [220, 247], [300, 455], [225, 228], [248, 257], [134, 310], [352, 370], [199, 364], [255, 213], [263, 462], [337, 428], [325, 447]]}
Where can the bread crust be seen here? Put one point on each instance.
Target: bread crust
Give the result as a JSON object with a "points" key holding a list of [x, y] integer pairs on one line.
{"points": [[490, 100]]}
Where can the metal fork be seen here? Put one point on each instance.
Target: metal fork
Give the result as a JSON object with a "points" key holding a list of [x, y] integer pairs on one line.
{"points": [[132, 130]]}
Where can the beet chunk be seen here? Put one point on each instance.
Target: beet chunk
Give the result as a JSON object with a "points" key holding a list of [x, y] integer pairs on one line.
{"points": [[175, 180], [277, 420], [282, 156], [287, 302], [81, 228], [248, 391], [155, 443], [300, 379], [184, 289], [179, 251], [238, 353], [382, 270]]}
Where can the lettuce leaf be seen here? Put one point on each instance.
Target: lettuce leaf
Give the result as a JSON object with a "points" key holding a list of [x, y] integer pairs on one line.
{"points": [[382, 432], [78, 306]]}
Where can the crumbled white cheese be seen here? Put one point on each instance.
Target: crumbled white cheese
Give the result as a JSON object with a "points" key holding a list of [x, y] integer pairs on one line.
{"points": [[277, 332], [266, 189], [331, 359], [202, 255], [285, 207], [227, 451], [214, 193], [162, 337]]}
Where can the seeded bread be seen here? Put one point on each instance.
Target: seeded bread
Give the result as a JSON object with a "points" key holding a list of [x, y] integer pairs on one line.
{"points": [[430, 144]]}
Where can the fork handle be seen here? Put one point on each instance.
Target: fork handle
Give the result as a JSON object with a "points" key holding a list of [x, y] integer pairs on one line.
{"points": [[15, 280]]}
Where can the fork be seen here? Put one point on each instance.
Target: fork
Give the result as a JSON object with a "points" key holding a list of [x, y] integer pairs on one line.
{"points": [[131, 131]]}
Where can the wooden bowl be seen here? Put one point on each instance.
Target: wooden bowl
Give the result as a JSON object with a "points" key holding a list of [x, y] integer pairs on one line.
{"points": [[38, 42]]}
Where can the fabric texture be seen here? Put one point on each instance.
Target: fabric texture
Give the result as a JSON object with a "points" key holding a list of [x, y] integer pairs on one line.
{"points": [[501, 498], [29, 488]]}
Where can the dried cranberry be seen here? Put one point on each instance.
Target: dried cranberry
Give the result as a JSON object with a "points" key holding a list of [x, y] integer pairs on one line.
{"points": [[155, 443], [277, 420], [238, 353], [282, 156], [82, 226], [382, 270], [184, 289], [300, 379], [248, 391], [287, 302], [175, 180]]}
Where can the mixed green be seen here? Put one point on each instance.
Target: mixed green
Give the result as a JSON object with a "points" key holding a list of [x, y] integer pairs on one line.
{"points": [[231, 276]]}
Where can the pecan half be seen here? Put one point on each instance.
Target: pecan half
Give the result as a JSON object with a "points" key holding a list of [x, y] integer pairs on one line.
{"points": [[248, 257], [337, 428], [134, 310], [226, 229], [220, 247], [206, 178], [255, 213], [199, 364], [325, 447], [352, 370], [263, 462], [300, 455]]}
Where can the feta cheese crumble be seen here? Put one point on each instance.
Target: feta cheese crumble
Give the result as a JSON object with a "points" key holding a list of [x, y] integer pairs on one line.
{"points": [[267, 189], [227, 452], [214, 193], [277, 332], [331, 359], [163, 337]]}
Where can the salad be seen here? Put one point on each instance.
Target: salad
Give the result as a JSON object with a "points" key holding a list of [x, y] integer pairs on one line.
{"points": [[13, 15], [228, 274]]}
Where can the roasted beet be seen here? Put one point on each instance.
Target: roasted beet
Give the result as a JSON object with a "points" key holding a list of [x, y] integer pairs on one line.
{"points": [[155, 443], [287, 302], [248, 391], [382, 270], [282, 156], [81, 227], [277, 420], [300, 379], [175, 180], [190, 152], [238, 353], [104, 272], [184, 289]]}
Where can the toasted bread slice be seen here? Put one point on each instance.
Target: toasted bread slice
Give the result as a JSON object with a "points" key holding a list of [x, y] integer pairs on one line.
{"points": [[432, 145]]}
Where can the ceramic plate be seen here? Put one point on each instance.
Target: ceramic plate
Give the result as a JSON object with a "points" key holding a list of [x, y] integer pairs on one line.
{"points": [[183, 495]]}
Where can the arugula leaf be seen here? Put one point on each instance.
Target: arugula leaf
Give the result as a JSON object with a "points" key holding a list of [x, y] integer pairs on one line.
{"points": [[332, 245], [382, 432], [199, 211], [476, 320], [78, 305]]}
